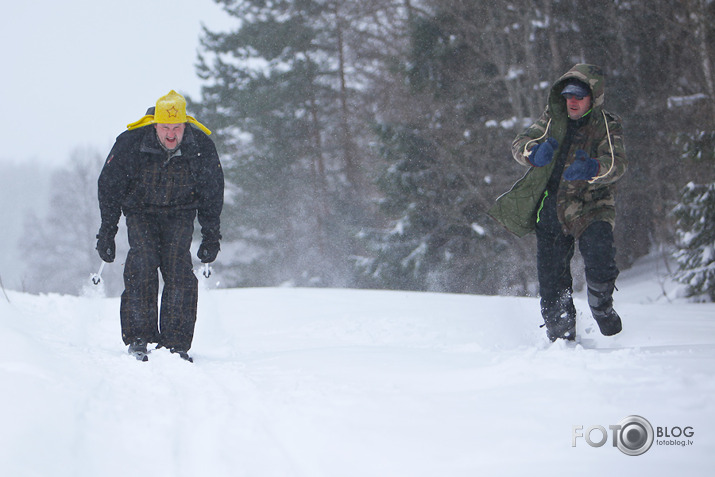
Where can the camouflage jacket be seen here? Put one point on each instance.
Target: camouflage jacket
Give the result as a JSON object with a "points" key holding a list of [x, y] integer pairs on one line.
{"points": [[579, 203]]}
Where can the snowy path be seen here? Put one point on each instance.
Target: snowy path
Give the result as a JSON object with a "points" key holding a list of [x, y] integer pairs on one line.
{"points": [[296, 382]]}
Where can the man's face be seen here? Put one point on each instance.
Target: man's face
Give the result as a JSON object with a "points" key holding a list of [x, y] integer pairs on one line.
{"points": [[576, 106], [170, 135]]}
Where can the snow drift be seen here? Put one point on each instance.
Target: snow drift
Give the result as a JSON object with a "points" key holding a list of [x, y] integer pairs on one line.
{"points": [[315, 382]]}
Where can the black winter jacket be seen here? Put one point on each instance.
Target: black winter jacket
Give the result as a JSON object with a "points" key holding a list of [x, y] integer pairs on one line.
{"points": [[140, 176]]}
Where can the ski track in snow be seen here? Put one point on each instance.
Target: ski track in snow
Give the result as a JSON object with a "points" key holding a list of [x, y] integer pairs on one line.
{"points": [[312, 382]]}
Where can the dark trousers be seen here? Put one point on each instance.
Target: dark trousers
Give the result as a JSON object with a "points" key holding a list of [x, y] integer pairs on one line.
{"points": [[556, 249], [159, 241]]}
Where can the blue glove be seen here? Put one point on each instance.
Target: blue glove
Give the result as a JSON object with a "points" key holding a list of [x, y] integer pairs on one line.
{"points": [[583, 169], [543, 153]]}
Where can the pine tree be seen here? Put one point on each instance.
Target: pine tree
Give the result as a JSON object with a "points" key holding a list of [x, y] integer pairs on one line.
{"points": [[694, 143], [286, 102], [696, 240]]}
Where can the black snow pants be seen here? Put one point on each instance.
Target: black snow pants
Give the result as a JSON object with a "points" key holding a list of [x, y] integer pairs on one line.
{"points": [[556, 249], [159, 241]]}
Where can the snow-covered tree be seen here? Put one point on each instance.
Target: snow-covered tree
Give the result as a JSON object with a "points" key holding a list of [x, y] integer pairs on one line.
{"points": [[696, 240]]}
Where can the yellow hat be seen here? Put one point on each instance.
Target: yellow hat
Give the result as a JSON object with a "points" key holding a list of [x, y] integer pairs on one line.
{"points": [[170, 109]]}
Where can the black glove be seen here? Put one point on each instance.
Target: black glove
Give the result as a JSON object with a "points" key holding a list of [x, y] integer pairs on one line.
{"points": [[208, 251], [542, 154], [105, 243]]}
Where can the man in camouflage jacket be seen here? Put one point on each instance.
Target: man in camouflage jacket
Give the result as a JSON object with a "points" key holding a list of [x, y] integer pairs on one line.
{"points": [[575, 153], [161, 173]]}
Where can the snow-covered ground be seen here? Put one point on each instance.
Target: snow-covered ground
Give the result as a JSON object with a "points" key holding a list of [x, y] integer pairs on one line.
{"points": [[312, 382]]}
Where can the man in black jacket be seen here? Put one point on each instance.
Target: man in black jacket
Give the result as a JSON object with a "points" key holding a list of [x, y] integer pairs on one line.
{"points": [[162, 173]]}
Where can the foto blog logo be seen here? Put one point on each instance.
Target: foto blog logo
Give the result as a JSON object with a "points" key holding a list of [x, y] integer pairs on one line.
{"points": [[633, 436]]}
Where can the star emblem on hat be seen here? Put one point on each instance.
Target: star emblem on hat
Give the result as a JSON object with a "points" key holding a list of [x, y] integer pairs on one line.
{"points": [[172, 112]]}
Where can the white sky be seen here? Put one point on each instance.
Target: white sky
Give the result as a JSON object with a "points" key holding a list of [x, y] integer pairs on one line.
{"points": [[76, 72]]}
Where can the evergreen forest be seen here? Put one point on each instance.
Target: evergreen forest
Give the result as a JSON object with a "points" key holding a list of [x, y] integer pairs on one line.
{"points": [[363, 141]]}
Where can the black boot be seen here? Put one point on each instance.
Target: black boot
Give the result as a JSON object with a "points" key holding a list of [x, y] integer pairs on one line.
{"points": [[559, 317], [600, 299], [183, 354], [138, 350]]}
